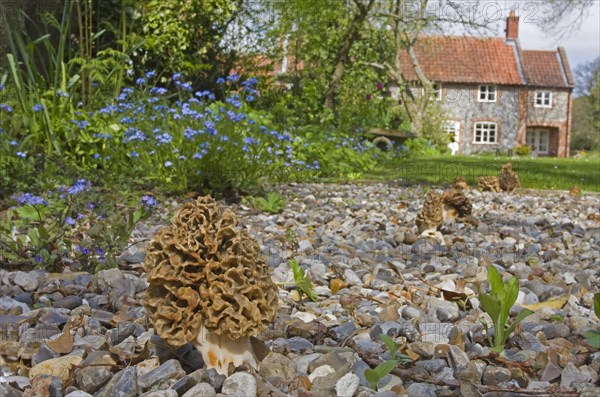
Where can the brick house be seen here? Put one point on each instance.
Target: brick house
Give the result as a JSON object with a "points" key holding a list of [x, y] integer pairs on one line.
{"points": [[497, 95]]}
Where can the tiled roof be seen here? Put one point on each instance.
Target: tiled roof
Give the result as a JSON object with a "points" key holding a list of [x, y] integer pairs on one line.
{"points": [[543, 68], [465, 60]]}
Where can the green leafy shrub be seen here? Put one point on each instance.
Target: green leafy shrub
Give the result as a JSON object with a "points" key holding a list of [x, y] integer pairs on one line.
{"points": [[498, 303], [369, 106], [63, 228], [183, 36], [417, 147], [523, 150], [336, 154]]}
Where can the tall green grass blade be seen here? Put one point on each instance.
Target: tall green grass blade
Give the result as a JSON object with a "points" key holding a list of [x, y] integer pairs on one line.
{"points": [[16, 75]]}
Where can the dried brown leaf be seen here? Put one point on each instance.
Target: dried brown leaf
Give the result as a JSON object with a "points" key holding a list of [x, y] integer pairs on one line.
{"points": [[64, 343]]}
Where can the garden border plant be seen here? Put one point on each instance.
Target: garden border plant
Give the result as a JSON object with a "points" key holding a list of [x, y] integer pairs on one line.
{"points": [[63, 228]]}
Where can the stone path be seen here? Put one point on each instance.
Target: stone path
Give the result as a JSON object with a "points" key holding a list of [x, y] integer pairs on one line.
{"points": [[79, 335]]}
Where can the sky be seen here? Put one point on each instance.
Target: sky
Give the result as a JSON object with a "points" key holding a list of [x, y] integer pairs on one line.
{"points": [[582, 45]]}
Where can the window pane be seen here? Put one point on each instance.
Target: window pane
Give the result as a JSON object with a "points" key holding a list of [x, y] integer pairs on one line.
{"points": [[530, 138], [543, 141]]}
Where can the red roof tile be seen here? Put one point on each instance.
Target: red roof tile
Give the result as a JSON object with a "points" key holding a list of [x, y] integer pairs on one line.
{"points": [[465, 60], [543, 68]]}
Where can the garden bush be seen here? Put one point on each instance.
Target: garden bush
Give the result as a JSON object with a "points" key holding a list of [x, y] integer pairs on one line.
{"points": [[336, 153], [523, 150], [417, 147], [187, 140], [69, 226]]}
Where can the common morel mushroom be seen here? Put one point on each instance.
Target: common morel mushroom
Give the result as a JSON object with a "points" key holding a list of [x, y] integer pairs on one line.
{"points": [[456, 205], [209, 285], [431, 217], [575, 191], [488, 184], [509, 180], [460, 183]]}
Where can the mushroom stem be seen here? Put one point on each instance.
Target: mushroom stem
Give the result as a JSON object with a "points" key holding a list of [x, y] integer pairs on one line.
{"points": [[218, 351]]}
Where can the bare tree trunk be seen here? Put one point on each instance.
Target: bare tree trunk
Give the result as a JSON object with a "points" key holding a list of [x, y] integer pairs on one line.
{"points": [[344, 51], [404, 40], [420, 103]]}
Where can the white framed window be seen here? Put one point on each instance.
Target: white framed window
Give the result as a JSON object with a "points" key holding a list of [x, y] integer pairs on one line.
{"points": [[538, 140], [487, 93], [485, 132], [543, 99]]}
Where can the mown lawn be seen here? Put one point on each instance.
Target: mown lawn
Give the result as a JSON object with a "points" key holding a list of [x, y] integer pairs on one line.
{"points": [[540, 173]]}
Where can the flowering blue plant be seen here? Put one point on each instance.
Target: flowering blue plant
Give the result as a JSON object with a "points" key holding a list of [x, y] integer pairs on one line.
{"points": [[188, 140], [62, 226]]}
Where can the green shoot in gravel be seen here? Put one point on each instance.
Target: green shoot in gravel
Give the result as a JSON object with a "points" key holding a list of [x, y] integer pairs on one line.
{"points": [[593, 336], [302, 281], [498, 303], [374, 375], [274, 202]]}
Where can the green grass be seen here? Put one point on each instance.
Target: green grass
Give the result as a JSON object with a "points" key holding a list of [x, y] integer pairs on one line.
{"points": [[542, 173]]}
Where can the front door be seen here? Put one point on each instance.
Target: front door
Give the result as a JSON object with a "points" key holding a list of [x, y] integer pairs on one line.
{"points": [[537, 139]]}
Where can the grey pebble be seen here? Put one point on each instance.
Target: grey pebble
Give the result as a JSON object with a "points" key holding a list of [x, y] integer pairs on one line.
{"points": [[240, 384], [200, 390]]}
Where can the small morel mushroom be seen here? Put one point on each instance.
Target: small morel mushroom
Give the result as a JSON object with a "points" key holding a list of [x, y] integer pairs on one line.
{"points": [[575, 191], [431, 217], [488, 184], [509, 180], [460, 183], [456, 205], [209, 285]]}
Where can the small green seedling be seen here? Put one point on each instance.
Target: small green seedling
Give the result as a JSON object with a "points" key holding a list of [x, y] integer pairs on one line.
{"points": [[374, 375], [593, 336], [390, 344], [302, 281], [273, 203], [498, 303]]}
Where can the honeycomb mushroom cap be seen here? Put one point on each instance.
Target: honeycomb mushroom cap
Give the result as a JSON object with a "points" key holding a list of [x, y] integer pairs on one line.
{"points": [[575, 191], [204, 272], [431, 215], [456, 204], [488, 184], [460, 183], [509, 179]]}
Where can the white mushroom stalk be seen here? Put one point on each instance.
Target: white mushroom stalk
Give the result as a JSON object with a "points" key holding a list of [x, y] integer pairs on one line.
{"points": [[219, 351]]}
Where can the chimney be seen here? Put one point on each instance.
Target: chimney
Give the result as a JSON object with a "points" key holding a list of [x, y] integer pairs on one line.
{"points": [[512, 26]]}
